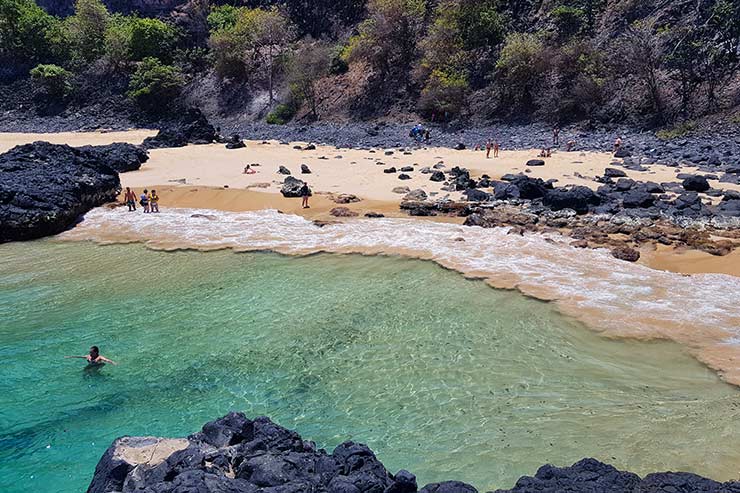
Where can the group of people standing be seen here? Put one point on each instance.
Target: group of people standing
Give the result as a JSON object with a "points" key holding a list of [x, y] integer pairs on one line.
{"points": [[148, 200]]}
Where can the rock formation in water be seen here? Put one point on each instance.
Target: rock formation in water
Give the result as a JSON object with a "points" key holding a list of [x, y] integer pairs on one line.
{"points": [[237, 455], [44, 188]]}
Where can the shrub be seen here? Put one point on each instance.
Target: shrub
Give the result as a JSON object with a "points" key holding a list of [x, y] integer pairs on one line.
{"points": [[569, 21], [86, 30], [151, 38], [55, 81], [677, 131], [223, 17], [443, 94], [522, 63], [281, 114], [155, 85]]}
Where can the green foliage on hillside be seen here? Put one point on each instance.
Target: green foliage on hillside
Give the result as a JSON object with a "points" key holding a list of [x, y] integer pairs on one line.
{"points": [[155, 85], [53, 79], [557, 61]]}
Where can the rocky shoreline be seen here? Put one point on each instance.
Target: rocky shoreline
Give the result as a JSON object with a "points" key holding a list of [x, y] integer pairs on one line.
{"points": [[45, 188], [234, 454]]}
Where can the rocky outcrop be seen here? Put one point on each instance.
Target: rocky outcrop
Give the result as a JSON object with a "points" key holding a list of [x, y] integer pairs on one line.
{"points": [[191, 128], [120, 157], [238, 455], [44, 188], [292, 187]]}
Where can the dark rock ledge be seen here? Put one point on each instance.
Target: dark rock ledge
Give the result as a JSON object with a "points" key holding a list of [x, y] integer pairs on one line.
{"points": [[45, 188], [237, 455]]}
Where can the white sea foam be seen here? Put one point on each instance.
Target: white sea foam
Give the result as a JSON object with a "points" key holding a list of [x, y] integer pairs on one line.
{"points": [[613, 296]]}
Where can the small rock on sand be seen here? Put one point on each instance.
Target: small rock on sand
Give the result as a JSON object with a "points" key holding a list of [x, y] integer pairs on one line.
{"points": [[342, 212]]}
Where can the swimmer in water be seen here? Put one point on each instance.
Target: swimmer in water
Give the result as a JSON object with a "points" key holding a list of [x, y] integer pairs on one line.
{"points": [[94, 358]]}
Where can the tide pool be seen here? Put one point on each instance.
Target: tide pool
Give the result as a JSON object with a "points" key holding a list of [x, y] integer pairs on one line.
{"points": [[439, 375]]}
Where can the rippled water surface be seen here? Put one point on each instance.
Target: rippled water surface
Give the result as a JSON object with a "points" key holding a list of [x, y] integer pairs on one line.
{"points": [[438, 374]]}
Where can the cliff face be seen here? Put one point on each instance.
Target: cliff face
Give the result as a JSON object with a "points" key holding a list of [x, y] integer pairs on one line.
{"points": [[237, 455]]}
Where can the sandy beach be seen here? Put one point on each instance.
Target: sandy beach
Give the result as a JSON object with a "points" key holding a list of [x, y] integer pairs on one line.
{"points": [[211, 177]]}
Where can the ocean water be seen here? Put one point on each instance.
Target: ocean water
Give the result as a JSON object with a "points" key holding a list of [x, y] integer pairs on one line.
{"points": [[439, 374]]}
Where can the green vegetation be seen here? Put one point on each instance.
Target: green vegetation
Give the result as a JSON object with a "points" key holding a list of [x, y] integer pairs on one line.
{"points": [[677, 131], [281, 115], [155, 85], [446, 58], [53, 79]]}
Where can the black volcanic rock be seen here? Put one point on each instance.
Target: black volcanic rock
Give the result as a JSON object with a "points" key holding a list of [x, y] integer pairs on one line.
{"points": [[191, 128], [120, 157], [578, 198], [44, 188], [292, 187], [695, 183], [238, 455]]}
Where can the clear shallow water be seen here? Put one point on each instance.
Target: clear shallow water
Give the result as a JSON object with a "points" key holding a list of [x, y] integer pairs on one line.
{"points": [[440, 375]]}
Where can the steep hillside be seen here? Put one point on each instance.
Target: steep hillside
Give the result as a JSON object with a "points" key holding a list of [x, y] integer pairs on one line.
{"points": [[653, 64]]}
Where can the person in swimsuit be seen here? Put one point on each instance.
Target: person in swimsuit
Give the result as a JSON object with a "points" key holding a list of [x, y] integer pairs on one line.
{"points": [[248, 170], [154, 201], [94, 358], [305, 193], [130, 199], [144, 200], [495, 148]]}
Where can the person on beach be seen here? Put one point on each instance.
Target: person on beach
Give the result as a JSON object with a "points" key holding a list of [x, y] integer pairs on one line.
{"points": [[130, 199], [305, 193], [94, 358], [248, 170], [495, 148], [556, 136], [489, 146], [154, 201], [144, 200], [617, 143], [570, 145]]}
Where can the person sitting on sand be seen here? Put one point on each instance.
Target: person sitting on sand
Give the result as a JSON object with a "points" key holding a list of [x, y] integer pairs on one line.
{"points": [[495, 148], [248, 170], [548, 152], [144, 200], [305, 192], [130, 199], [570, 145], [542, 153], [95, 358], [154, 201]]}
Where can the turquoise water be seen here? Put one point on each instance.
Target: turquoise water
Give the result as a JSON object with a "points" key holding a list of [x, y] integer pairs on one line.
{"points": [[438, 374]]}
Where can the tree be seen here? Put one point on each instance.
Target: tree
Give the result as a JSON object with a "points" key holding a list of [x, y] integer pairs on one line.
{"points": [[520, 67], [639, 53], [155, 85], [309, 64], [152, 38], [444, 94], [256, 44], [388, 37], [27, 32], [87, 29]]}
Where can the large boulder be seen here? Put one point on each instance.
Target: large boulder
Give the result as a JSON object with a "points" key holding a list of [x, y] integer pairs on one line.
{"points": [[437, 176], [292, 187], [45, 188], [120, 157], [529, 188], [191, 128], [235, 454], [578, 198], [535, 162], [695, 183]]}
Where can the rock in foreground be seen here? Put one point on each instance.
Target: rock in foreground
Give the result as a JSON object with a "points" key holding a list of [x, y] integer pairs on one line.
{"points": [[237, 455], [45, 187]]}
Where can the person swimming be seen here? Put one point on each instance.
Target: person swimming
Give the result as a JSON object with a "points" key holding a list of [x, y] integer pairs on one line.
{"points": [[94, 358]]}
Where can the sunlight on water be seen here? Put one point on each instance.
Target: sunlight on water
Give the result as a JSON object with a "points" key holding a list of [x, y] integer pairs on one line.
{"points": [[440, 375]]}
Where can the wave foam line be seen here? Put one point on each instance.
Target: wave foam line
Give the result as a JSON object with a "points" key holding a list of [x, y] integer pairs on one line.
{"points": [[612, 296]]}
